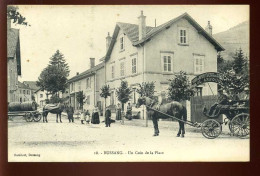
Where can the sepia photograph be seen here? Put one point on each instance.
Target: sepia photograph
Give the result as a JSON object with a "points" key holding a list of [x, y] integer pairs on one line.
{"points": [[128, 83]]}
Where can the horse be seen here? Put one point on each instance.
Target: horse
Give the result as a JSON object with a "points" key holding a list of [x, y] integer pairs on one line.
{"points": [[173, 108], [54, 109]]}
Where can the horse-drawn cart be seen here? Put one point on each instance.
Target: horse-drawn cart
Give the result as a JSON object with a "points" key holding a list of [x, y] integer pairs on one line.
{"points": [[28, 115], [28, 110], [237, 118]]}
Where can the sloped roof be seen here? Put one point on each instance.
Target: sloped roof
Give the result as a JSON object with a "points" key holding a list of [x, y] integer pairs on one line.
{"points": [[32, 85], [22, 85], [12, 40], [86, 73], [191, 21], [132, 32], [13, 47]]}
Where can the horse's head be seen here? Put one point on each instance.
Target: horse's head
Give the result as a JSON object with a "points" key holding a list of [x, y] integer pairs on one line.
{"points": [[143, 101]]}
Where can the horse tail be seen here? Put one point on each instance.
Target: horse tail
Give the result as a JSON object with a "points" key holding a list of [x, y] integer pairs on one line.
{"points": [[184, 113]]}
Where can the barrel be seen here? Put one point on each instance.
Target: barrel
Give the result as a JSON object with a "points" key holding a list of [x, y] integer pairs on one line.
{"points": [[14, 106], [24, 106]]}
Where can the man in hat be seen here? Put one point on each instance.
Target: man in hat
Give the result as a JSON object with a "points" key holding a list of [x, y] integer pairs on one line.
{"points": [[108, 117], [222, 100]]}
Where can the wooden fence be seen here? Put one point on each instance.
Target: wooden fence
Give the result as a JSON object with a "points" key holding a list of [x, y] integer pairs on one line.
{"points": [[197, 105]]}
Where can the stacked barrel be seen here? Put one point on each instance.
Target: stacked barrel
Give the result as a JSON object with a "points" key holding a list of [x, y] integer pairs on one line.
{"points": [[24, 106]]}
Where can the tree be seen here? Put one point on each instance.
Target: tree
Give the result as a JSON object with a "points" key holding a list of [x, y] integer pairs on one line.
{"points": [[235, 80], [54, 77], [220, 61], [146, 89], [80, 98], [240, 62], [123, 94], [180, 88], [13, 14], [105, 92]]}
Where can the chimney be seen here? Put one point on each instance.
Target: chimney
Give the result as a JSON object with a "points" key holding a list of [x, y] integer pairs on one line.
{"points": [[77, 73], [92, 62], [108, 40], [142, 26], [8, 23], [209, 28]]}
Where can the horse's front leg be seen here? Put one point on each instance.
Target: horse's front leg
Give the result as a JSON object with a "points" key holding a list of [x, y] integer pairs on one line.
{"points": [[57, 118], [155, 124], [60, 118]]}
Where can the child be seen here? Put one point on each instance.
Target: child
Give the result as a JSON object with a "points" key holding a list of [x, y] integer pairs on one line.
{"points": [[82, 116]]}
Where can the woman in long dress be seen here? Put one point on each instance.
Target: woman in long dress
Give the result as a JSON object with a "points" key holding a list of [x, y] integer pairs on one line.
{"points": [[95, 116], [118, 112]]}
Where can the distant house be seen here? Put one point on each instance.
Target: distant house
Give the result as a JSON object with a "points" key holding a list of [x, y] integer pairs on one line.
{"points": [[24, 92], [140, 53], [13, 62], [90, 82], [40, 97]]}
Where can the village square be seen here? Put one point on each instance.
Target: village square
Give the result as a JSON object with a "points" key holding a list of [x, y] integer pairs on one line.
{"points": [[156, 91]]}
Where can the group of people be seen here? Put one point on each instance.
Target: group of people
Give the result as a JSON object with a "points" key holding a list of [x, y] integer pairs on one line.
{"points": [[93, 118], [84, 115]]}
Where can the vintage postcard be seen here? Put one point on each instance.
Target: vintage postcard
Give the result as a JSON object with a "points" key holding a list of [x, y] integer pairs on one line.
{"points": [[128, 83]]}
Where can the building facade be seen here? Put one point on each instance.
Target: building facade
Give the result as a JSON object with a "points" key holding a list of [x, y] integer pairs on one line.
{"points": [[24, 92], [90, 82], [139, 53], [40, 97], [13, 62]]}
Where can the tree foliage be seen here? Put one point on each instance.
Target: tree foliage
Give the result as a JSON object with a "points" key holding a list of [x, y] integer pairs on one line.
{"points": [[13, 14], [105, 91], [80, 98], [235, 80], [123, 93], [180, 88], [146, 89], [53, 78]]}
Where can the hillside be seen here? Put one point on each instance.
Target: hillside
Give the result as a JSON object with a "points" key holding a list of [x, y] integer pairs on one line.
{"points": [[233, 39]]}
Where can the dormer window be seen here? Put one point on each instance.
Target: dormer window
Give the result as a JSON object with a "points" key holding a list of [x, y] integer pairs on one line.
{"points": [[183, 36], [122, 42]]}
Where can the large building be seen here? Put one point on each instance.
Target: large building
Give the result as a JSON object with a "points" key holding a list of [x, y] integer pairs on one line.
{"points": [[140, 53], [13, 62], [90, 82]]}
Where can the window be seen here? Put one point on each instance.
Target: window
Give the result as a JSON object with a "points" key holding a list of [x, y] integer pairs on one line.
{"points": [[167, 62], [198, 64], [112, 98], [88, 99], [28, 92], [112, 71], [23, 91], [122, 69], [134, 68], [41, 95], [79, 86], [72, 87], [183, 36], [122, 42], [198, 91], [20, 91], [88, 83]]}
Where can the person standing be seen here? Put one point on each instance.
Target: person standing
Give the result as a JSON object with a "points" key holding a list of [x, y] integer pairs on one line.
{"points": [[118, 112], [95, 116], [129, 112], [70, 112], [108, 117], [82, 116], [87, 115]]}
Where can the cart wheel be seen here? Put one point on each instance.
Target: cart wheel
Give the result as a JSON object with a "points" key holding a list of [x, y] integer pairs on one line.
{"points": [[37, 117], [211, 128], [28, 117], [240, 125]]}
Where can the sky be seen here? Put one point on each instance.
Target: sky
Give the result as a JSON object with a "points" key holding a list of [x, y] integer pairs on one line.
{"points": [[79, 32]]}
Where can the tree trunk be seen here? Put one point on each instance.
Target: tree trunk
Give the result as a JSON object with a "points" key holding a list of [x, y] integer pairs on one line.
{"points": [[123, 113]]}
